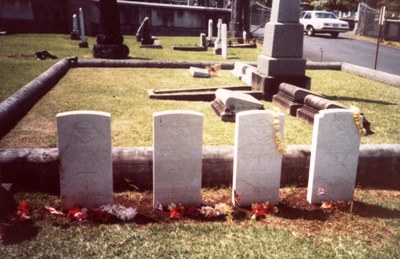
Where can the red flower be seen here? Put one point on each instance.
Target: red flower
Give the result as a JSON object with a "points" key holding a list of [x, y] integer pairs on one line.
{"points": [[23, 207], [72, 213], [176, 211], [259, 209]]}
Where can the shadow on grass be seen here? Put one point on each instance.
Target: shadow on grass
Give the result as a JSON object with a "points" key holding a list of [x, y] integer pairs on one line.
{"points": [[288, 212], [355, 99], [19, 233], [366, 210], [137, 58]]}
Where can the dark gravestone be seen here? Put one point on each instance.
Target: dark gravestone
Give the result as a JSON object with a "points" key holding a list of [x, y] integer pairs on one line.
{"points": [[312, 105], [291, 97], [110, 41], [143, 34], [239, 18]]}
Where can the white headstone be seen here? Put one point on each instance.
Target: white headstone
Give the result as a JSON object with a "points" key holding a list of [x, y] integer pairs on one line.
{"points": [[74, 23], [199, 72], [334, 156], [210, 30], [84, 147], [218, 39], [177, 157], [257, 161], [244, 36], [224, 40], [82, 25]]}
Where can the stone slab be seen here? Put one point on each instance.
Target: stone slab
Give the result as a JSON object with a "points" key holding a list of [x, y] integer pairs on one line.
{"points": [[177, 157], [84, 146], [257, 162], [283, 40], [334, 156], [199, 72], [237, 101]]}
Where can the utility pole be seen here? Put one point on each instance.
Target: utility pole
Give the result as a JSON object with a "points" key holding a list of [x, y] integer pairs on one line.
{"points": [[381, 21]]}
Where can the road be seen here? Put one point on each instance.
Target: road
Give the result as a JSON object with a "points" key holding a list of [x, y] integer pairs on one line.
{"points": [[352, 51], [347, 50]]}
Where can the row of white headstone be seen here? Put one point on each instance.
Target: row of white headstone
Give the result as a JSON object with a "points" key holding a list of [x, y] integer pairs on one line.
{"points": [[85, 151]]}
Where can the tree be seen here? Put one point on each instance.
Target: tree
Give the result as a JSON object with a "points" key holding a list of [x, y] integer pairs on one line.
{"points": [[337, 5]]}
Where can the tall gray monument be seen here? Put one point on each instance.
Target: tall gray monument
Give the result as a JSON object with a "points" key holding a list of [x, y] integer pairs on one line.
{"points": [[282, 57]]}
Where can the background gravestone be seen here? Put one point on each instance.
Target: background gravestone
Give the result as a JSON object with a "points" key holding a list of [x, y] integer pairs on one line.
{"points": [[224, 41], [257, 161], [239, 18], [334, 156], [84, 147], [282, 56], [109, 41], [177, 157]]}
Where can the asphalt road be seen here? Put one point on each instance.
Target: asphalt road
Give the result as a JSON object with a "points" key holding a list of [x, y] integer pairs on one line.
{"points": [[342, 49], [362, 53]]}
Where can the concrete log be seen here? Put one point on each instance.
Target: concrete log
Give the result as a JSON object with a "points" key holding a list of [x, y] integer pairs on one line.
{"points": [[37, 168]]}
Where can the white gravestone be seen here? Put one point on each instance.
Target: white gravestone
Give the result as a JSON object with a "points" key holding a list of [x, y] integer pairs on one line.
{"points": [[218, 40], [210, 31], [84, 147], [177, 157], [74, 23], [82, 25], [199, 72], [257, 161], [244, 37], [224, 40], [334, 156]]}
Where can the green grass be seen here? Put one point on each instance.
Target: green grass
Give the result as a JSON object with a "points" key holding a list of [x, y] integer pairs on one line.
{"points": [[123, 93]]}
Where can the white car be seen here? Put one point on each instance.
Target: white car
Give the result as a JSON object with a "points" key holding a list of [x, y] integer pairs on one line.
{"points": [[322, 22]]}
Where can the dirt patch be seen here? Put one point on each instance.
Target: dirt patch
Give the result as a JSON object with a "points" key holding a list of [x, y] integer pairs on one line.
{"points": [[360, 220]]}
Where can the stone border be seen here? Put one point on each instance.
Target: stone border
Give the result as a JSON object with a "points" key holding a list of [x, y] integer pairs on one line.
{"points": [[36, 169]]}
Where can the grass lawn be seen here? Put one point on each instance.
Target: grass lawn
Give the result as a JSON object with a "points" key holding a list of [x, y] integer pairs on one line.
{"points": [[371, 230]]}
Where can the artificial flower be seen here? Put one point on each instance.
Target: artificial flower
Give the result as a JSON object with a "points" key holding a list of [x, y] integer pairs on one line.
{"points": [[176, 211], [53, 211], [23, 211], [261, 209], [119, 211]]}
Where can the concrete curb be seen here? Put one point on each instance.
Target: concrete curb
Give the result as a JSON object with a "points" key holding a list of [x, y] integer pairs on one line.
{"points": [[372, 74], [36, 169], [17, 105]]}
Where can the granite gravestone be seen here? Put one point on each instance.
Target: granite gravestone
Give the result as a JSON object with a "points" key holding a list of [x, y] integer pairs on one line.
{"points": [[83, 43], [109, 43], [217, 44], [334, 156], [75, 32], [84, 147], [224, 41], [257, 161], [282, 56], [210, 33], [177, 157]]}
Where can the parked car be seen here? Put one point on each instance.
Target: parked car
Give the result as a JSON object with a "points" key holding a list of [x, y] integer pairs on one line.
{"points": [[322, 22]]}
